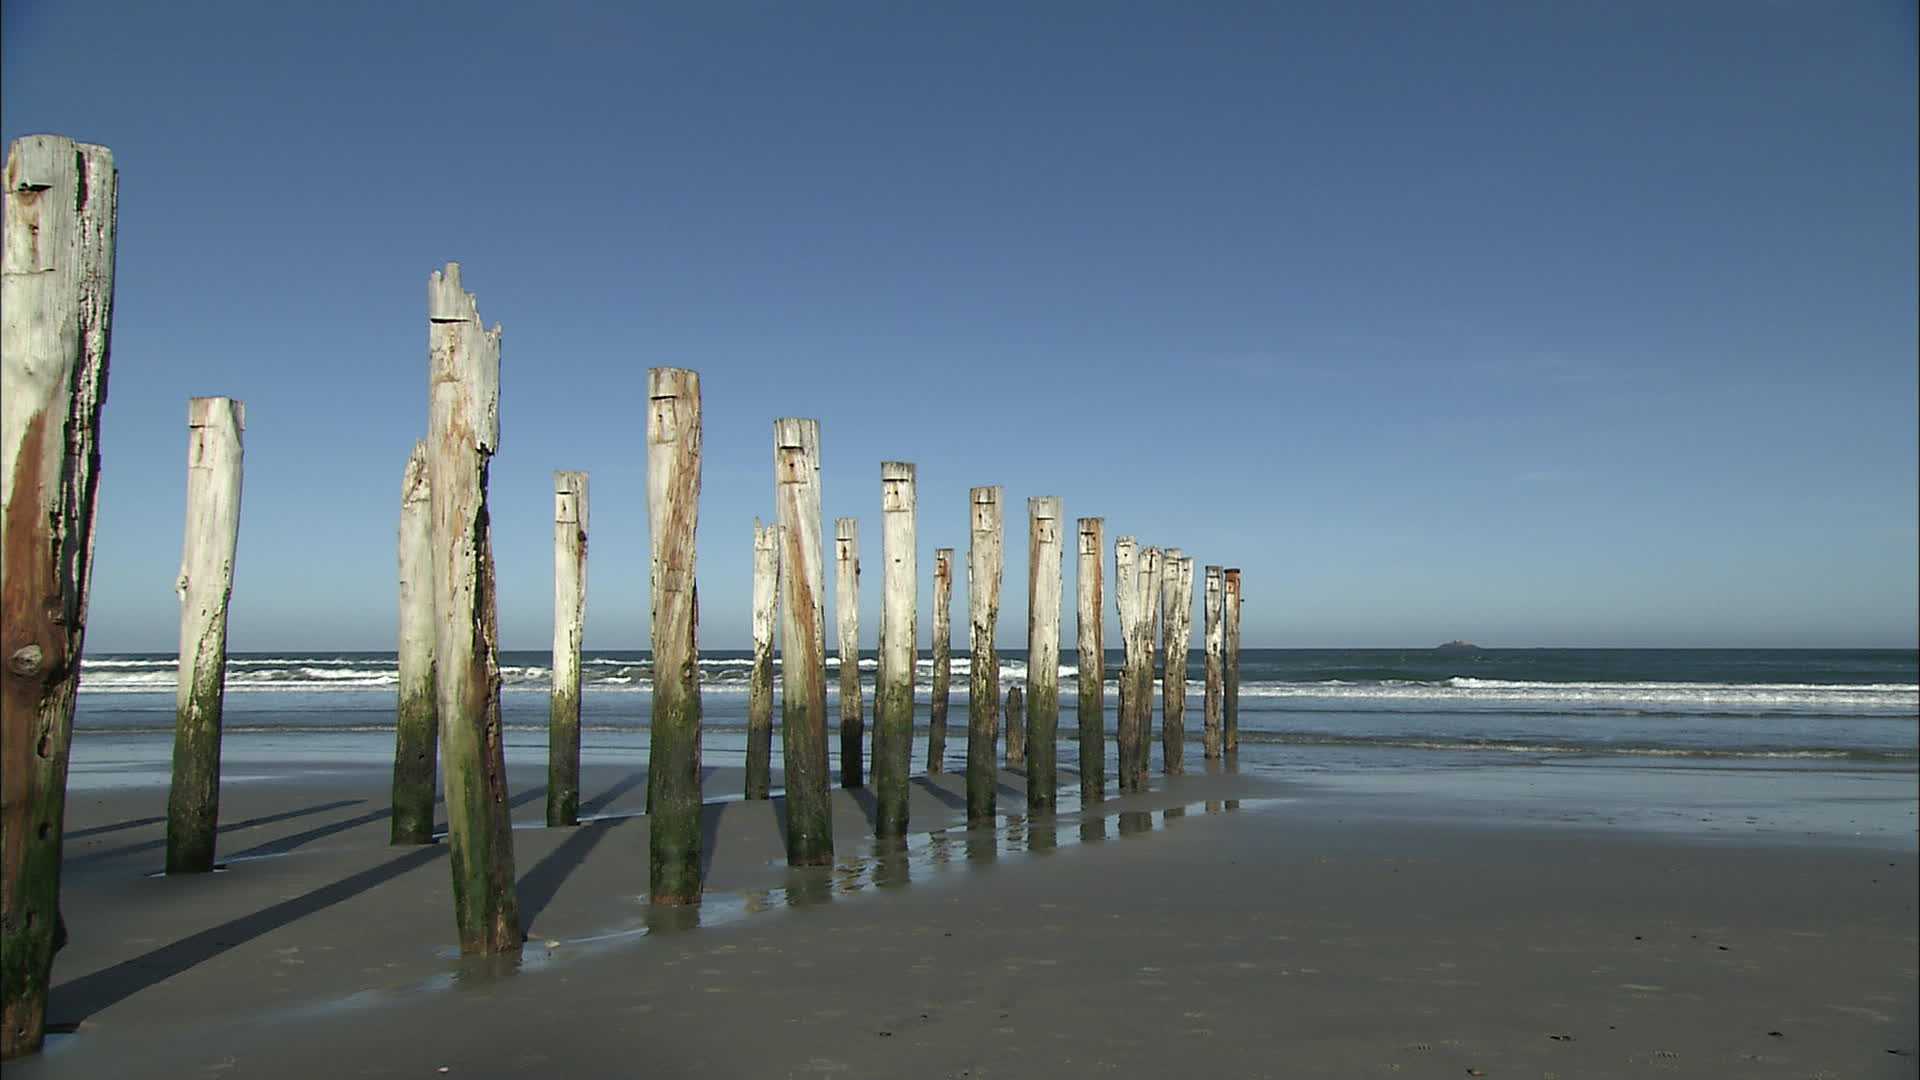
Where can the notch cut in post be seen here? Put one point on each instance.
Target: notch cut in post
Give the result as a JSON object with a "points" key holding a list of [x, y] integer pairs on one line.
{"points": [[569, 627], [56, 292], [215, 459]]}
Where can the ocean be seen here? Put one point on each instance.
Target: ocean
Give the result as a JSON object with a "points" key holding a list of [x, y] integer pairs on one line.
{"points": [[1800, 741]]}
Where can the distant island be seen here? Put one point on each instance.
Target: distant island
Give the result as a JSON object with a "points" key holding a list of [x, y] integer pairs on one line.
{"points": [[1458, 647]]}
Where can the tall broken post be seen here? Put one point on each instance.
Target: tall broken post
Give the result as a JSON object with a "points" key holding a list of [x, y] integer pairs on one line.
{"points": [[942, 660], [1215, 637], [1230, 617], [766, 589], [984, 560], [673, 750], [1090, 661], [569, 625], [1126, 594], [214, 463], [846, 609], [1044, 556], [1176, 595], [899, 640], [803, 642], [61, 203], [417, 719], [464, 433], [1152, 581]]}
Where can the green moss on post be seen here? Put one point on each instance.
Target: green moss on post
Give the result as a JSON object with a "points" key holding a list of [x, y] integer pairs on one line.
{"points": [[417, 720], [803, 698], [899, 637], [569, 626], [1043, 652], [942, 660], [673, 758]]}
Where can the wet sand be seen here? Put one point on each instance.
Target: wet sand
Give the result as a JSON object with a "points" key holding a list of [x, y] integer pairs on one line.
{"points": [[1218, 925]]}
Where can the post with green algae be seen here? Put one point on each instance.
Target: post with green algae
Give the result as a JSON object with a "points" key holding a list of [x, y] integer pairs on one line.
{"points": [[846, 609], [766, 588], [464, 433], [983, 616], [1043, 652], [417, 719], [1152, 580], [1126, 589], [942, 660], [1091, 662], [899, 641], [1176, 596], [1231, 618], [803, 642], [673, 517], [61, 203], [1016, 717], [214, 465], [569, 626], [1215, 639]]}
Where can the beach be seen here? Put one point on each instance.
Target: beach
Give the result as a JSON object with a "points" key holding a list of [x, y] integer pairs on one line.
{"points": [[1229, 922]]}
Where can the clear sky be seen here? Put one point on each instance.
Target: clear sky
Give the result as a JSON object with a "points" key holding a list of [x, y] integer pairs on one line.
{"points": [[1533, 324]]}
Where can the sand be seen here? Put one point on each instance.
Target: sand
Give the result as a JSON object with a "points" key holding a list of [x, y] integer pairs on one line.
{"points": [[1220, 925]]}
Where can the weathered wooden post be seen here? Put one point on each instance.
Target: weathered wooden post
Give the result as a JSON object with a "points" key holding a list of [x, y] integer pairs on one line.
{"points": [[1231, 619], [1091, 660], [417, 722], [1016, 717], [214, 463], [1044, 557], [942, 660], [569, 624], [61, 203], [1215, 641], [1152, 576], [1126, 595], [803, 642], [846, 609], [899, 636], [673, 517], [984, 559], [464, 381], [1177, 619], [766, 588]]}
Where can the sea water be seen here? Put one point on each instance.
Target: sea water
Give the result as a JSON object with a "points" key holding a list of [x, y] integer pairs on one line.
{"points": [[1818, 742]]}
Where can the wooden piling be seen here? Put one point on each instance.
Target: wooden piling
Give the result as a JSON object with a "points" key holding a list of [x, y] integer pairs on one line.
{"points": [[899, 639], [984, 559], [464, 381], [1044, 555], [942, 660], [1230, 617], [1127, 599], [214, 464], [803, 695], [1176, 595], [1091, 662], [1215, 639], [766, 590], [61, 200], [673, 517], [1016, 719], [1152, 577], [417, 719], [846, 609], [569, 625]]}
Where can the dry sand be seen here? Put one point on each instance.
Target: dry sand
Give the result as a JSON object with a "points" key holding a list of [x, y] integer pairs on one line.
{"points": [[1218, 926]]}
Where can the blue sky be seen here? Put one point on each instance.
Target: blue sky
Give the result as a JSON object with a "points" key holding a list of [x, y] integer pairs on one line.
{"points": [[1534, 324]]}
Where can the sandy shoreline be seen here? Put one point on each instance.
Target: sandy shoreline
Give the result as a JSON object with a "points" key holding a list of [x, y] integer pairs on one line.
{"points": [[1219, 925]]}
